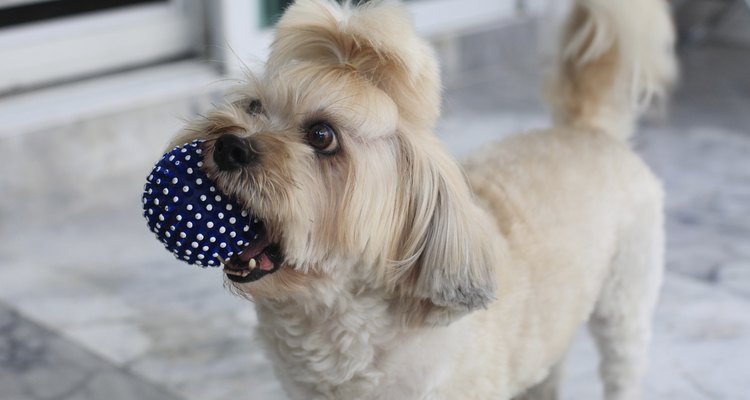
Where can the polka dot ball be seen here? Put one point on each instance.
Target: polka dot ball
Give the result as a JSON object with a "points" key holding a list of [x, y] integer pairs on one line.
{"points": [[182, 207]]}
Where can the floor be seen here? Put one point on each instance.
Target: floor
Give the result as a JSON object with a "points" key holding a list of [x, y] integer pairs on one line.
{"points": [[92, 307]]}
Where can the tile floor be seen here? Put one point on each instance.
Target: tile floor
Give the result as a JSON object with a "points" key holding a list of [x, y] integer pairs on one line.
{"points": [[91, 307]]}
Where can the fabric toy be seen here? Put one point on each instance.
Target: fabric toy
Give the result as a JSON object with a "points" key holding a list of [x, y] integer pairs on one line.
{"points": [[192, 218]]}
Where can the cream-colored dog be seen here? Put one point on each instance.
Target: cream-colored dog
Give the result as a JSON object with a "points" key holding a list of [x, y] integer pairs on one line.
{"points": [[389, 270]]}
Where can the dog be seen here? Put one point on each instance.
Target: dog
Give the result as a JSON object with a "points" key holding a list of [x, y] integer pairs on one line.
{"points": [[388, 270]]}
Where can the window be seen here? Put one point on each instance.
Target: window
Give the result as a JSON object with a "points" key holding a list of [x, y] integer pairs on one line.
{"points": [[62, 40]]}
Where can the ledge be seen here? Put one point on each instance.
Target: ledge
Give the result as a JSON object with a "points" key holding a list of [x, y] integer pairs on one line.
{"points": [[56, 106]]}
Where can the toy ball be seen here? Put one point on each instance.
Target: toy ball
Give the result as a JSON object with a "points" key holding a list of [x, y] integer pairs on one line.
{"points": [[192, 218]]}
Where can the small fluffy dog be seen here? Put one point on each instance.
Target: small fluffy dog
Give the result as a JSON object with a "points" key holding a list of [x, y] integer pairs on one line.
{"points": [[389, 270]]}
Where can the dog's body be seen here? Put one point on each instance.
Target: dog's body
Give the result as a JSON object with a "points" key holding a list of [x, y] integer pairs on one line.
{"points": [[405, 276], [573, 249]]}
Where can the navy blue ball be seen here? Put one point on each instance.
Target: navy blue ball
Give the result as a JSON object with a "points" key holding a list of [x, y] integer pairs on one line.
{"points": [[192, 218]]}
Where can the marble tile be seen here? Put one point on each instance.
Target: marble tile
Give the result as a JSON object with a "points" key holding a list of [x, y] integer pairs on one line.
{"points": [[700, 347], [706, 173], [735, 277], [467, 132], [131, 303], [37, 364]]}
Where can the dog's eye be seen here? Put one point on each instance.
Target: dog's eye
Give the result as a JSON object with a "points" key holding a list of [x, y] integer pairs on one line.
{"points": [[322, 138], [254, 107]]}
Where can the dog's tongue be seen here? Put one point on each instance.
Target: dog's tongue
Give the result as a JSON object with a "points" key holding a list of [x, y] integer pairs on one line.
{"points": [[265, 263], [257, 251], [253, 249]]}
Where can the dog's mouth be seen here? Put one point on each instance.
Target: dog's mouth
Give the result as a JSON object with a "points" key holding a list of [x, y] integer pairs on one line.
{"points": [[255, 261]]}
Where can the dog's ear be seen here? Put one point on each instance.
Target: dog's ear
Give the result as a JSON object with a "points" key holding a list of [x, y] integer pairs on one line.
{"points": [[375, 40], [448, 249]]}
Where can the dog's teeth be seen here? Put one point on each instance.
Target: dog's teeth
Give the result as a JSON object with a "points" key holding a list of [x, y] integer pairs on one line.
{"points": [[243, 273], [252, 263]]}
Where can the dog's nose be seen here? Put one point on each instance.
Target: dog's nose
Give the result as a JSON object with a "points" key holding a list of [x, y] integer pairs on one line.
{"points": [[232, 152]]}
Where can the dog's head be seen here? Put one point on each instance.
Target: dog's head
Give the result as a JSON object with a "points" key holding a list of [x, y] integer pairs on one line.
{"points": [[332, 148]]}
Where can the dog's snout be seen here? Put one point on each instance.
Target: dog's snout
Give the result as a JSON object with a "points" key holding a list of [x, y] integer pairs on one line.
{"points": [[232, 152]]}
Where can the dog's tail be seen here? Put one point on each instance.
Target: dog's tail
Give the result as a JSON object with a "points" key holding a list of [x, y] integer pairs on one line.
{"points": [[615, 57]]}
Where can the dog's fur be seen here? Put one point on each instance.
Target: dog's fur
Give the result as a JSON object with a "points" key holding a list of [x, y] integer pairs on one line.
{"points": [[408, 276]]}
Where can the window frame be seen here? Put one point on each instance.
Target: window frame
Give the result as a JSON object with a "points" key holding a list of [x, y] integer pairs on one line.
{"points": [[82, 46]]}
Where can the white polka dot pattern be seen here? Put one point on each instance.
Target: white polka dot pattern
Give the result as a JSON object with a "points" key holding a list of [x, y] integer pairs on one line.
{"points": [[179, 197]]}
